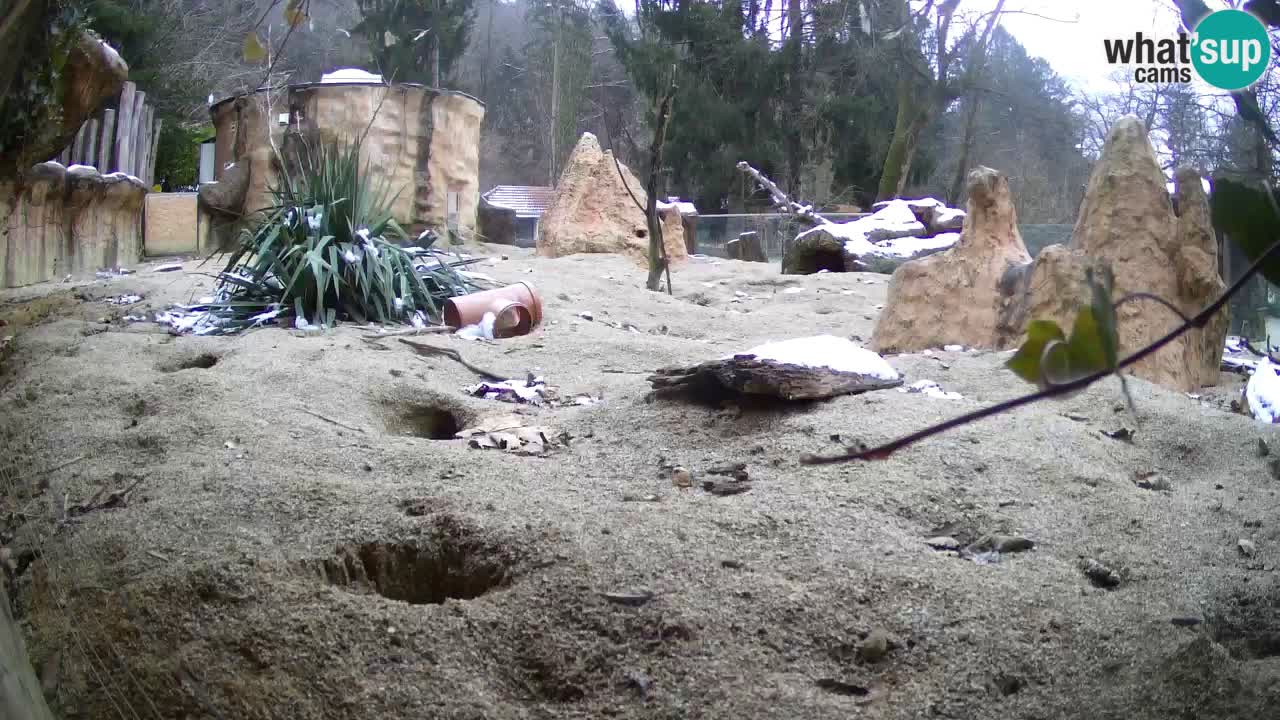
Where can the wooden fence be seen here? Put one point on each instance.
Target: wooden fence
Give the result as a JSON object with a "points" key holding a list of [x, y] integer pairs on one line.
{"points": [[122, 138]]}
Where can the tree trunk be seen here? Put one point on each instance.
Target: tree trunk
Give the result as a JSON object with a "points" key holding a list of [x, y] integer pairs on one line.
{"points": [[912, 117], [966, 147], [795, 96], [657, 249], [555, 96]]}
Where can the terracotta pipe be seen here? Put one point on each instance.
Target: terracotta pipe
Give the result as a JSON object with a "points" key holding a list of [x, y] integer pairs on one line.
{"points": [[520, 298]]}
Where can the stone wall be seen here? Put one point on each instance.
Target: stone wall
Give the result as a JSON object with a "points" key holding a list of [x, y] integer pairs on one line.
{"points": [[169, 224], [68, 222]]}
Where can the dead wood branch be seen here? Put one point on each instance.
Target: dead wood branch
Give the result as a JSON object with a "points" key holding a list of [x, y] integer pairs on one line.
{"points": [[780, 199], [424, 349]]}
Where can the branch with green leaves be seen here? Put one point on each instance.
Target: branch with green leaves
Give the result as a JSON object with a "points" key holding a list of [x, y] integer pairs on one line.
{"points": [[1063, 365]]}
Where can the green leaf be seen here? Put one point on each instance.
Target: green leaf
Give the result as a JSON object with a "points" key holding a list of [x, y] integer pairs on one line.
{"points": [[253, 50], [1246, 212], [1101, 286], [1026, 362]]}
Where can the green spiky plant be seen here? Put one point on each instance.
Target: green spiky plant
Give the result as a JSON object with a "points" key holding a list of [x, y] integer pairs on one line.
{"points": [[326, 251]]}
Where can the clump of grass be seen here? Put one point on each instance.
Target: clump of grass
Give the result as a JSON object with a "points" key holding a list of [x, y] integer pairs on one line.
{"points": [[328, 250]]}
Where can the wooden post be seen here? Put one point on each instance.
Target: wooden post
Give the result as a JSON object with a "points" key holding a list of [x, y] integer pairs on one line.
{"points": [[106, 143], [20, 695], [77, 145], [139, 124], [124, 128], [151, 156], [91, 144], [144, 144]]}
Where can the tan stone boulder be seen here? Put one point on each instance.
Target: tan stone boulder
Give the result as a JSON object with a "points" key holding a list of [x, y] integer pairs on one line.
{"points": [[960, 296], [1127, 221], [593, 212]]}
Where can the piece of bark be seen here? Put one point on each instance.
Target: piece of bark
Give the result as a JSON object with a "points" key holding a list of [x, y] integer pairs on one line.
{"points": [[750, 375]]}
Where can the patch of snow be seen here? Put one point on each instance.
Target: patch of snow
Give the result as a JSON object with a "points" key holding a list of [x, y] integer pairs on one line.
{"points": [[1263, 392], [792, 290], [125, 299], [908, 246], [123, 176], [684, 208], [82, 169], [481, 330], [948, 217], [513, 391], [826, 351], [351, 75], [167, 267], [931, 389], [953, 348]]}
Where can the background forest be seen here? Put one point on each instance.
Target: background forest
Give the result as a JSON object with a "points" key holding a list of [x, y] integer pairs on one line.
{"points": [[840, 101]]}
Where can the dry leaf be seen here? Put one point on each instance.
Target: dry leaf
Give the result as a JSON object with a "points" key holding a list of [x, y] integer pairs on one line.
{"points": [[254, 51], [294, 14]]}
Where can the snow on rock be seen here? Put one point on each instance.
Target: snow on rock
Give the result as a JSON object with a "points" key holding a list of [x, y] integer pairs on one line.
{"points": [[825, 351], [1263, 392], [894, 220], [948, 219], [897, 231], [351, 75], [684, 207]]}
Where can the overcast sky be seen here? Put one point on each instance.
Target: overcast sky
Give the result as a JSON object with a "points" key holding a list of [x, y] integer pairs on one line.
{"points": [[1074, 47]]}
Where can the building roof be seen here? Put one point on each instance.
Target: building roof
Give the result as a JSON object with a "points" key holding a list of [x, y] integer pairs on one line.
{"points": [[526, 200]]}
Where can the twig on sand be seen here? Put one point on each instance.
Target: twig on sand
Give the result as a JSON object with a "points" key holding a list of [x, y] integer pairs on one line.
{"points": [[331, 421], [55, 468], [424, 349], [411, 331]]}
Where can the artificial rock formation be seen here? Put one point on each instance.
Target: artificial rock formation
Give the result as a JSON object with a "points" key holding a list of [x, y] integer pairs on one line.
{"points": [[984, 291], [90, 73], [959, 296], [69, 222], [593, 212], [1127, 222], [421, 144]]}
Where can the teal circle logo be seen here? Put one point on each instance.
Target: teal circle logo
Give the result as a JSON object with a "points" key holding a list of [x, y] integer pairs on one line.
{"points": [[1231, 49]]}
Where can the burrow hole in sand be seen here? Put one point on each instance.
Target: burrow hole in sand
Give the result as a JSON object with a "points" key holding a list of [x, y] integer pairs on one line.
{"points": [[432, 417], [201, 361], [454, 562]]}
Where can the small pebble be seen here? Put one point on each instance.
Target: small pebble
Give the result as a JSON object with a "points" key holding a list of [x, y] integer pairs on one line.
{"points": [[1100, 575], [681, 478], [874, 647], [1247, 548], [943, 542]]}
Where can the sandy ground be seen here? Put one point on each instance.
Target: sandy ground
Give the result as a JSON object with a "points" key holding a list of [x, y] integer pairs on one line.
{"points": [[273, 564]]}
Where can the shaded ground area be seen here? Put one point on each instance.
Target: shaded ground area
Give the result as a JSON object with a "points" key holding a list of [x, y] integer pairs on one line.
{"points": [[299, 545]]}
